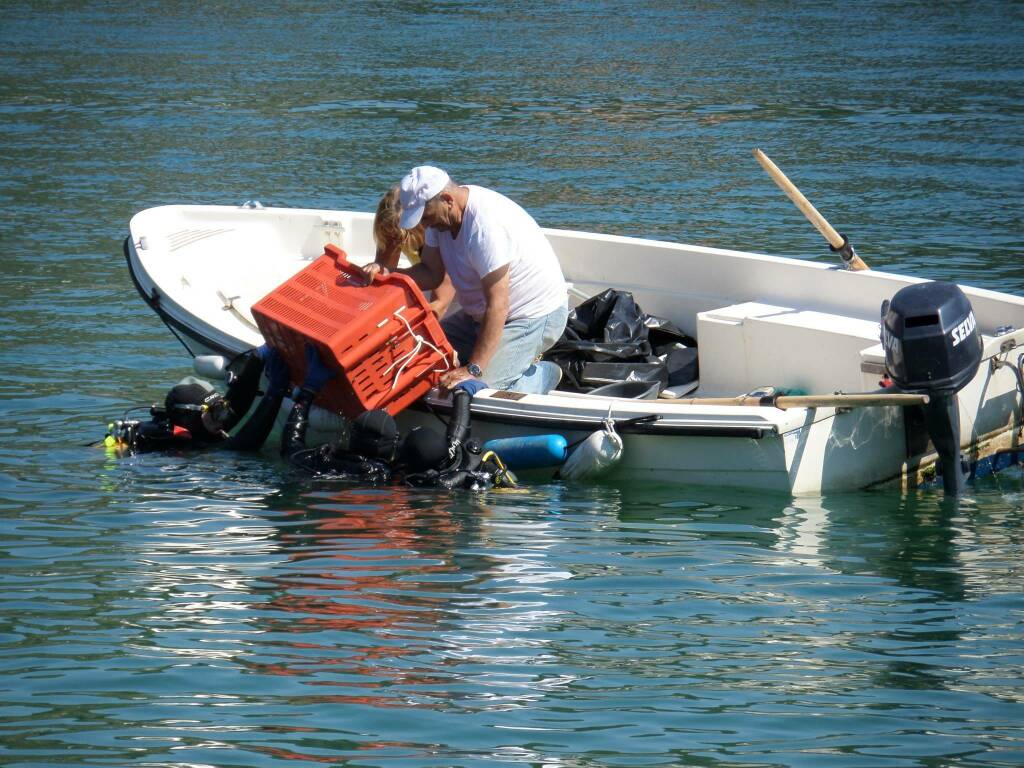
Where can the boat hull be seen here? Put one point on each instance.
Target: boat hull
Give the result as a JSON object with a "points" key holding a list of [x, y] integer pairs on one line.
{"points": [[759, 320]]}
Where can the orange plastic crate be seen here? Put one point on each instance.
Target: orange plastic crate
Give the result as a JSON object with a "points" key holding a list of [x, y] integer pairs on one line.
{"points": [[382, 340]]}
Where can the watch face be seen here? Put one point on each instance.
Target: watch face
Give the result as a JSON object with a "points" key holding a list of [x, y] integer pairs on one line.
{"points": [[474, 369]]}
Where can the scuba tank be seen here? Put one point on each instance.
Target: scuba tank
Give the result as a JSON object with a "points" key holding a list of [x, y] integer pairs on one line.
{"points": [[531, 452]]}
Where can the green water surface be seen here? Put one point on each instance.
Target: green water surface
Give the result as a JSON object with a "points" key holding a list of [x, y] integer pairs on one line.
{"points": [[226, 610]]}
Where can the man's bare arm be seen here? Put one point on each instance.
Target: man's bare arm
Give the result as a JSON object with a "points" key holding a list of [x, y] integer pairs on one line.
{"points": [[496, 286]]}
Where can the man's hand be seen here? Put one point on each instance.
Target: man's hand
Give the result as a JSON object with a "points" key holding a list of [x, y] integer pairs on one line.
{"points": [[450, 378]]}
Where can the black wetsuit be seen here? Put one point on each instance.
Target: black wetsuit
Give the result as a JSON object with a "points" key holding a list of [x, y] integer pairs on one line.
{"points": [[463, 467], [327, 459], [161, 434]]}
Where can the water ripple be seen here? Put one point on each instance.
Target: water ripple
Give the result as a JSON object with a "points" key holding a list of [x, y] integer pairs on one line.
{"points": [[223, 610]]}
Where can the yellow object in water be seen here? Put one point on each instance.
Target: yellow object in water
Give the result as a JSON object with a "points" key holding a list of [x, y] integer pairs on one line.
{"points": [[505, 478]]}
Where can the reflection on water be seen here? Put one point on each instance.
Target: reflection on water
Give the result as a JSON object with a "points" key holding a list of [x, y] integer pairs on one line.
{"points": [[378, 582], [360, 595], [300, 621]]}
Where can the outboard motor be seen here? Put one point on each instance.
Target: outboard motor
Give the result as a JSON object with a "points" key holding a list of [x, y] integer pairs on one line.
{"points": [[932, 346]]}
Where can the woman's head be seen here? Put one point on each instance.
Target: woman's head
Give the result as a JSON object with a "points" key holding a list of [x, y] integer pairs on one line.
{"points": [[388, 235]]}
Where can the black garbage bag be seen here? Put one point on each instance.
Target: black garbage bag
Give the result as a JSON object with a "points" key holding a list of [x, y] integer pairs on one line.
{"points": [[611, 328], [680, 363], [599, 374]]}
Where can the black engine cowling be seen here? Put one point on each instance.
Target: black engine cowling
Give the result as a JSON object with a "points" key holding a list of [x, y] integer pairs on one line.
{"points": [[931, 338], [932, 345]]}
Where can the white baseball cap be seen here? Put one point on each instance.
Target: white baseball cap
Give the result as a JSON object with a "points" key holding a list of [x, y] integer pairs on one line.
{"points": [[421, 184]]}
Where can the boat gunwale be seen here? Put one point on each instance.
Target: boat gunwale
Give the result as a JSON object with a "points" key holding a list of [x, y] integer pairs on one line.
{"points": [[543, 415], [328, 215]]}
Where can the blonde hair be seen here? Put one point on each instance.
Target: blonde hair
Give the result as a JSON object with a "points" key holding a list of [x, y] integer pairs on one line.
{"points": [[386, 231]]}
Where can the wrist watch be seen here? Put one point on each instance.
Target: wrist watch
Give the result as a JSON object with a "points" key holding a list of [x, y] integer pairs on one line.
{"points": [[475, 370]]}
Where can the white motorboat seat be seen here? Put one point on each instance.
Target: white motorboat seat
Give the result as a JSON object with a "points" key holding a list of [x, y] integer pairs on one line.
{"points": [[634, 390], [751, 345]]}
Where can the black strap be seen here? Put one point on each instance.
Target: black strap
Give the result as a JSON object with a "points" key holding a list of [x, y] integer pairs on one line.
{"points": [[845, 251]]}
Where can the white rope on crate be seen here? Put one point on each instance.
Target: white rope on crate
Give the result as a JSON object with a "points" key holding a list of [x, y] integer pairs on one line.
{"points": [[408, 357]]}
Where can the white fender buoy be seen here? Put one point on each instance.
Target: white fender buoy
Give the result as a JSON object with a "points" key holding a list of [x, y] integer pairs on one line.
{"points": [[595, 455]]}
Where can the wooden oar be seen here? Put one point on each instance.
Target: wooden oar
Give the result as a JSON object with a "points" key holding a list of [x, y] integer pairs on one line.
{"points": [[867, 400], [838, 243]]}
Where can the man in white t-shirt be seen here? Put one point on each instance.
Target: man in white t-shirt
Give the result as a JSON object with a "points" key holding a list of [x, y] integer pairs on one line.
{"points": [[506, 275]]}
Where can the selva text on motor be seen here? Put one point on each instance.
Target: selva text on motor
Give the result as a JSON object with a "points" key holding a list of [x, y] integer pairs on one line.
{"points": [[964, 328]]}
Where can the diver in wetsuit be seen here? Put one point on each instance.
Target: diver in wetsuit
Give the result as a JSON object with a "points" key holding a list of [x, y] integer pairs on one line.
{"points": [[195, 416], [427, 458]]}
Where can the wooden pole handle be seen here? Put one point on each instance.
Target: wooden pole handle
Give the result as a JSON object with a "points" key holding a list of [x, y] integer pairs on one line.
{"points": [[864, 400], [827, 230], [801, 202], [850, 401]]}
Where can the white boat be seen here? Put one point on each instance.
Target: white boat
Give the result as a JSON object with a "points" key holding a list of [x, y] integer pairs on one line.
{"points": [[759, 320]]}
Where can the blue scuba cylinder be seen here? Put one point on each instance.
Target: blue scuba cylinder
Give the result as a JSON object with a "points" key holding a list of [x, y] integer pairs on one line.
{"points": [[531, 452]]}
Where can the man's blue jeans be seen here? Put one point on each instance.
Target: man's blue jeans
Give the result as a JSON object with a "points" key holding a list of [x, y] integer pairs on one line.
{"points": [[522, 342]]}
